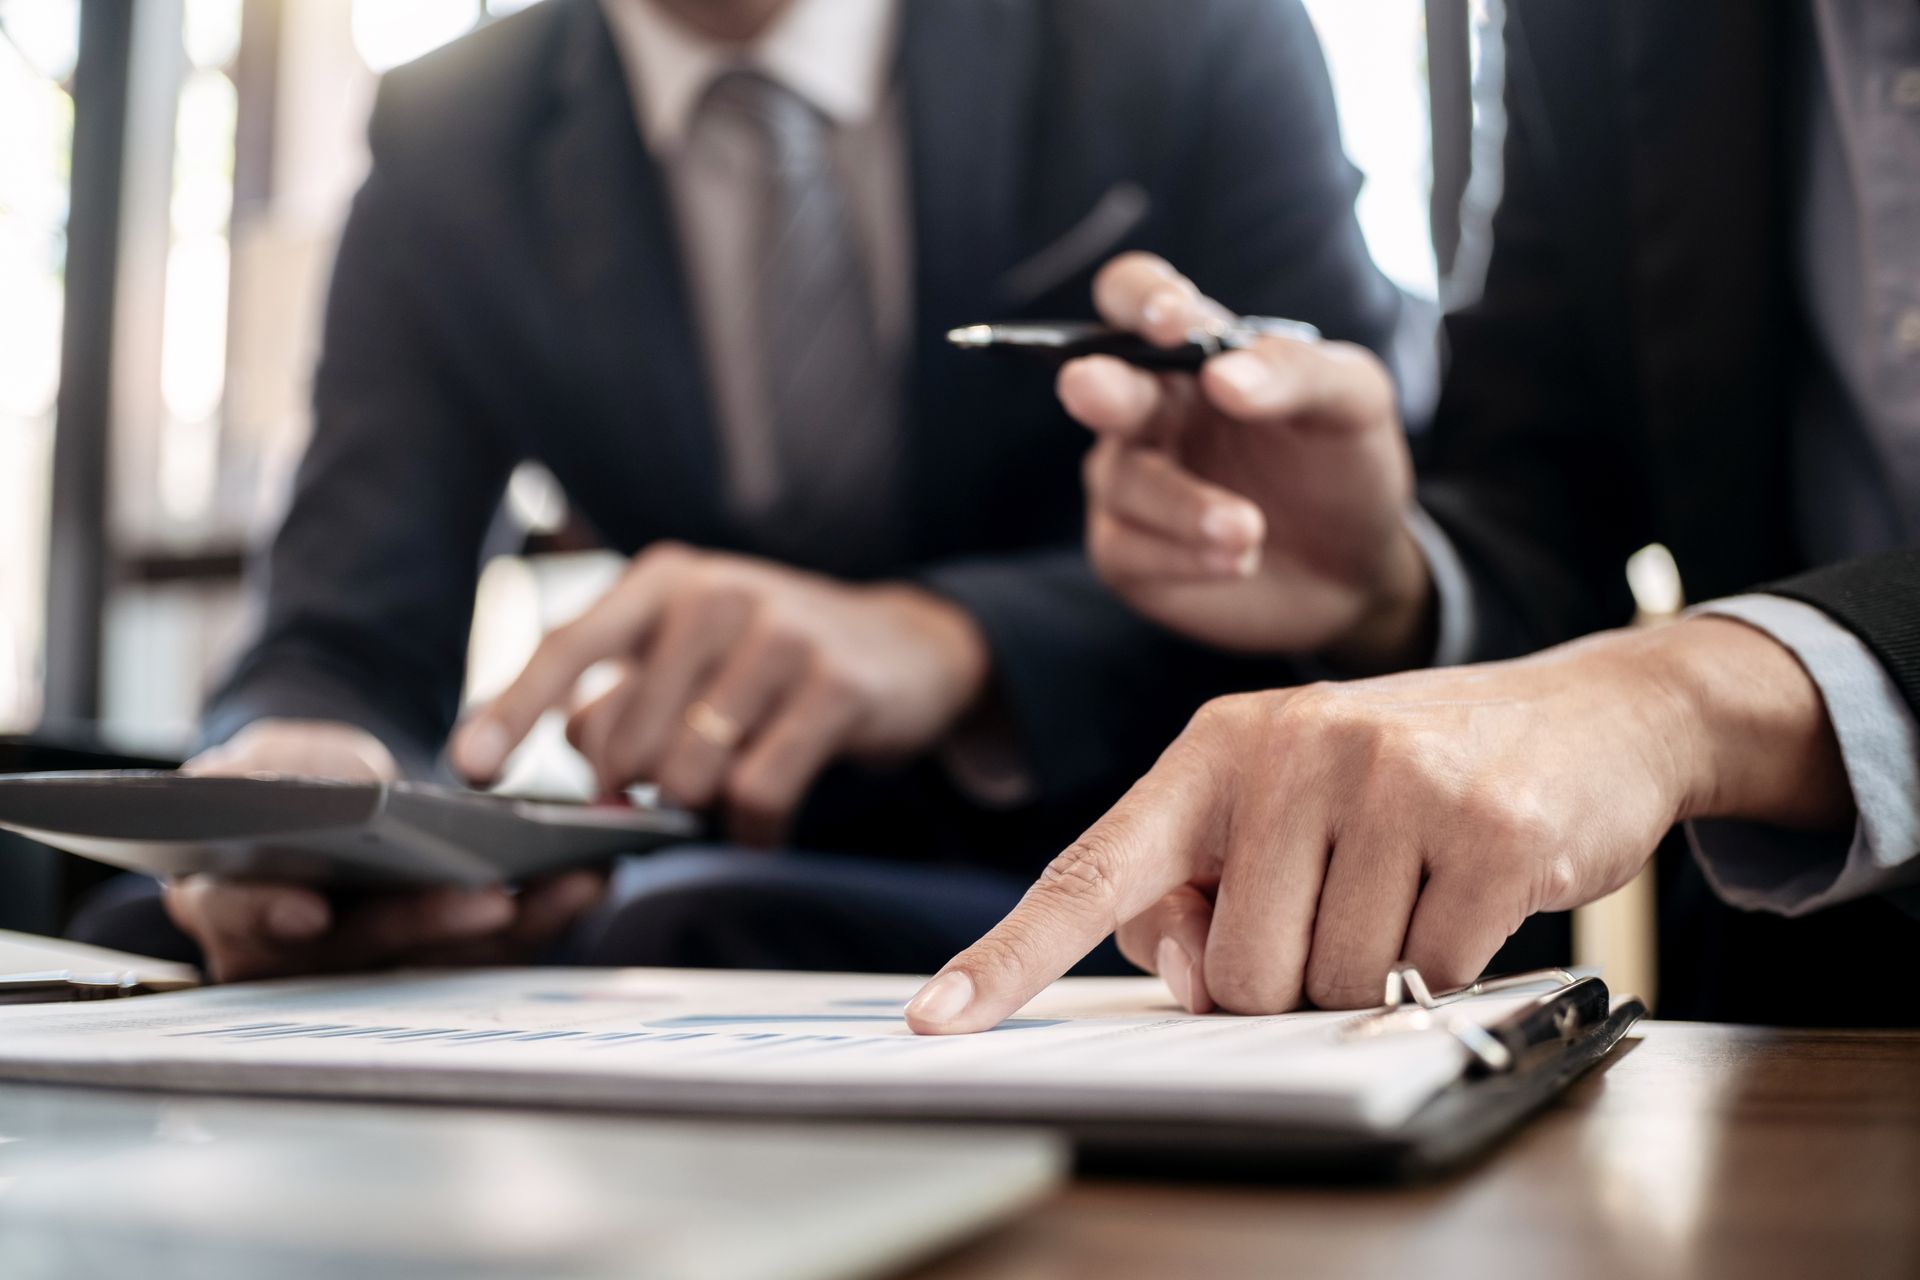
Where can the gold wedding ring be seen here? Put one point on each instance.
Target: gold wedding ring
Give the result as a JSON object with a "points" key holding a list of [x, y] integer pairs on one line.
{"points": [[712, 726]]}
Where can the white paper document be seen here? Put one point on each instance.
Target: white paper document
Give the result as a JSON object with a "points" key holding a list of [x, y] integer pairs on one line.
{"points": [[1094, 1049]]}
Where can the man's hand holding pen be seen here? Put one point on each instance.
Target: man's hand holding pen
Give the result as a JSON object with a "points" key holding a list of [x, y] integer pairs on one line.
{"points": [[1259, 506]]}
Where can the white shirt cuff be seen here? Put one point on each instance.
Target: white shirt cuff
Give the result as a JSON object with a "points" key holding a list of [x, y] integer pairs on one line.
{"points": [[1453, 590], [1763, 868]]}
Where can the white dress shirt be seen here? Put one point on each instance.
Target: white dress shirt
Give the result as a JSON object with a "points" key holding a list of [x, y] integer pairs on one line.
{"points": [[839, 56]]}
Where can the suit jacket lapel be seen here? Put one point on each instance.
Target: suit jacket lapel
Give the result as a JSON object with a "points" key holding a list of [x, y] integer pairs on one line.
{"points": [[625, 324]]}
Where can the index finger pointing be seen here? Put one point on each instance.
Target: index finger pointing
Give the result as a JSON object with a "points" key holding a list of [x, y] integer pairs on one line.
{"points": [[1144, 846], [613, 625]]}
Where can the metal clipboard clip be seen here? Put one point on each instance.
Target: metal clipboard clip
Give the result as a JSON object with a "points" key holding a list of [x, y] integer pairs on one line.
{"points": [[1573, 1005]]}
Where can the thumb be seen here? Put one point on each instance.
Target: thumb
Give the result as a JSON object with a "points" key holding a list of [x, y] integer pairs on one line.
{"points": [[1144, 846], [1335, 385]]}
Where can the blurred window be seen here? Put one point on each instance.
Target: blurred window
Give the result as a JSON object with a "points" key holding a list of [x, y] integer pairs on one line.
{"points": [[386, 34], [1377, 54], [38, 44], [193, 352]]}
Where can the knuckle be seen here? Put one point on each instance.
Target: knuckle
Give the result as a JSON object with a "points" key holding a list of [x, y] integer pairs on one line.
{"points": [[1275, 723], [1219, 736], [1400, 773], [831, 681], [723, 602], [1558, 879], [1326, 724], [1251, 989], [1224, 715], [684, 605], [665, 553], [1405, 765], [1506, 823], [1319, 711], [1337, 983], [781, 643], [1081, 877]]}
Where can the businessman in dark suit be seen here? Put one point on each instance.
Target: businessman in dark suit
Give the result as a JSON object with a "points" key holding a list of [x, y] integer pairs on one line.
{"points": [[697, 258], [1701, 327]]}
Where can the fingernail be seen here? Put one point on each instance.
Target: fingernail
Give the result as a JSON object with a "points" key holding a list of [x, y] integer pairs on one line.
{"points": [[1176, 970], [297, 918], [476, 913], [1247, 374], [1229, 525], [1160, 308], [482, 748], [943, 999]]}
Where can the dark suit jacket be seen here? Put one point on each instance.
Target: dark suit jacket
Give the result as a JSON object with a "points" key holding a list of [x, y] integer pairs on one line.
{"points": [[508, 288], [1627, 378]]}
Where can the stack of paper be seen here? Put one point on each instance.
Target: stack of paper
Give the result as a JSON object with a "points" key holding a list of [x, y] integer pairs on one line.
{"points": [[1088, 1050]]}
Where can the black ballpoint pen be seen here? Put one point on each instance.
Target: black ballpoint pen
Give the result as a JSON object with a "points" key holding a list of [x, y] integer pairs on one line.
{"points": [[1059, 341]]}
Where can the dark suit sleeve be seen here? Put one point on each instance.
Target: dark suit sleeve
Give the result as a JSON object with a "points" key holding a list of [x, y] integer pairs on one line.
{"points": [[368, 586], [1878, 599], [1526, 467], [1265, 223], [1269, 228]]}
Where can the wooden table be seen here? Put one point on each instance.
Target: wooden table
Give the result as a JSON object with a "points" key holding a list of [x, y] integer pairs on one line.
{"points": [[1696, 1151]]}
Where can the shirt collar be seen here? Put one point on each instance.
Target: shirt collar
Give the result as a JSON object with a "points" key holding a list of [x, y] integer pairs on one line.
{"points": [[834, 53]]}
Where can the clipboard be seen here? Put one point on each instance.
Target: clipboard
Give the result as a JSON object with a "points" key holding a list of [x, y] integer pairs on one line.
{"points": [[1429, 1082], [1517, 1066]]}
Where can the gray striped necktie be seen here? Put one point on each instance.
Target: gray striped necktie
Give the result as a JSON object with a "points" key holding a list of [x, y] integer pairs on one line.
{"points": [[828, 385]]}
